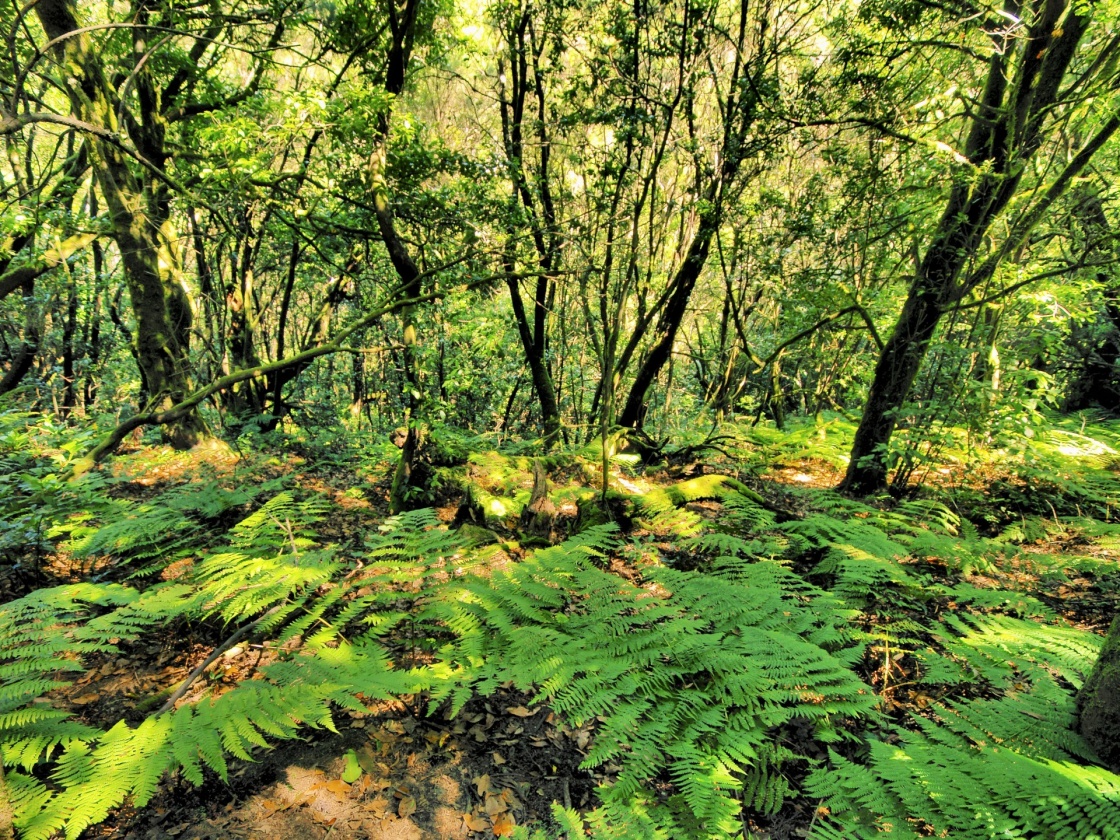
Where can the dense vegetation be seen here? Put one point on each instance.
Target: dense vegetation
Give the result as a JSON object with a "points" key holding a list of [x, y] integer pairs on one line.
{"points": [[725, 391]]}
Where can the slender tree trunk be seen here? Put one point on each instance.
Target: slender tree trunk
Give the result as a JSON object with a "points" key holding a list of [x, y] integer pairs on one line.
{"points": [[93, 338], [538, 368], [666, 332], [69, 351], [524, 52]]}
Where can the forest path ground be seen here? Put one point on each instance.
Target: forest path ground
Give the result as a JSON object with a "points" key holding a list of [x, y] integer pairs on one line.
{"points": [[498, 764]]}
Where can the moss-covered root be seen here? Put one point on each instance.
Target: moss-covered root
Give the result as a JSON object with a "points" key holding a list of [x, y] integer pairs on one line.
{"points": [[1098, 703]]}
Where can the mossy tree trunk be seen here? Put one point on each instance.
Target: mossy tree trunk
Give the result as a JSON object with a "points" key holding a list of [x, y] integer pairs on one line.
{"points": [[1098, 702], [140, 223], [1013, 118]]}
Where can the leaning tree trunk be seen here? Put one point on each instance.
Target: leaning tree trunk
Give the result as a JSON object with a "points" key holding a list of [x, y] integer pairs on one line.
{"points": [[1019, 100], [24, 358], [1098, 702], [159, 300], [894, 375], [634, 410]]}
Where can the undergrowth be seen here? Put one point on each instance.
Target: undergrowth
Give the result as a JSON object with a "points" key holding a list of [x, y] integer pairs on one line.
{"points": [[696, 666]]}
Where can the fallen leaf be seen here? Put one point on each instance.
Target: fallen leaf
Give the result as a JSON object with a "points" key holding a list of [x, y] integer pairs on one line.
{"points": [[407, 807], [504, 825], [482, 784], [520, 711], [474, 823], [495, 805], [380, 807], [85, 699], [498, 758], [336, 786]]}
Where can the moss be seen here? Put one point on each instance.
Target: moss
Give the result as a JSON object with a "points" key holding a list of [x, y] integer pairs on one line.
{"points": [[1098, 702]]}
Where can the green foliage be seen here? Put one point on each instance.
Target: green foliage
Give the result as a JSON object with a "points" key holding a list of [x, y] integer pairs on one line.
{"points": [[689, 680], [713, 683], [271, 578]]}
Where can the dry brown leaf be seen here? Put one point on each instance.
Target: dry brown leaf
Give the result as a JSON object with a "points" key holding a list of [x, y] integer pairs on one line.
{"points": [[407, 807], [380, 807], [336, 786], [482, 784], [520, 711], [495, 805], [85, 699], [474, 823], [504, 825], [497, 758]]}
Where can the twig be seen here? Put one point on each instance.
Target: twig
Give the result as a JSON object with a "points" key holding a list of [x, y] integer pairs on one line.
{"points": [[816, 813], [209, 660]]}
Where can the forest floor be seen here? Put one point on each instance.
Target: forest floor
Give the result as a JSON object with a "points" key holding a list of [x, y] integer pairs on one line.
{"points": [[501, 761]]}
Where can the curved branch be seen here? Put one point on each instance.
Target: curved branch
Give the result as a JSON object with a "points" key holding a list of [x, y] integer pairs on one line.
{"points": [[805, 333]]}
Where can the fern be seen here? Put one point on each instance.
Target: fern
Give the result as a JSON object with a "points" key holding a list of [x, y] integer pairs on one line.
{"points": [[985, 768], [66, 776], [921, 787], [153, 534], [690, 683]]}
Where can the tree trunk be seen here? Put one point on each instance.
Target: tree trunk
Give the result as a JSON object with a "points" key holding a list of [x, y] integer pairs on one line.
{"points": [[1020, 95], [159, 300], [894, 374], [69, 351], [633, 412], [1098, 702], [1097, 381], [24, 358]]}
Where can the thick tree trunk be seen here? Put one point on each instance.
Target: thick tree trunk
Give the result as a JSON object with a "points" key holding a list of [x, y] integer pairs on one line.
{"points": [[159, 300], [1024, 77], [1097, 382], [894, 374], [1098, 702], [24, 358]]}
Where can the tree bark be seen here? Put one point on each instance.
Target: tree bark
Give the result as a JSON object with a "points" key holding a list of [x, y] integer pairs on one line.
{"points": [[633, 412], [1098, 702], [894, 375], [524, 45], [24, 358], [159, 300], [1097, 380]]}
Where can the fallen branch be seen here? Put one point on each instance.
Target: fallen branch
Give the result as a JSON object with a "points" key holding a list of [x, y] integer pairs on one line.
{"points": [[181, 691]]}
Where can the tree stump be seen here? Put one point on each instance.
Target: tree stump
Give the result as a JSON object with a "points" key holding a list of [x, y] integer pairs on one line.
{"points": [[1098, 702], [537, 516]]}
